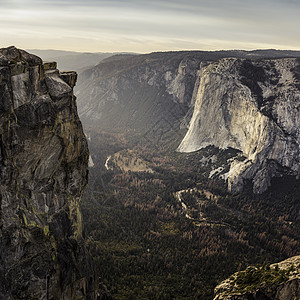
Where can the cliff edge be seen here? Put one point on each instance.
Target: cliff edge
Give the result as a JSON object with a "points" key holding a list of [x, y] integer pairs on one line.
{"points": [[43, 171]]}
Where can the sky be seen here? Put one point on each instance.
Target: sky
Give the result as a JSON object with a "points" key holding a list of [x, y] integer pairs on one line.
{"points": [[150, 25]]}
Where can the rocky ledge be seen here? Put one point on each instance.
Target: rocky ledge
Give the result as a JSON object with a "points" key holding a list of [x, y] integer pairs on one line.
{"points": [[43, 171], [271, 282]]}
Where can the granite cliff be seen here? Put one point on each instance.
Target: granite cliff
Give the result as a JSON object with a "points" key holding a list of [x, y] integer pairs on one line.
{"points": [[275, 282], [43, 163], [248, 101], [252, 106]]}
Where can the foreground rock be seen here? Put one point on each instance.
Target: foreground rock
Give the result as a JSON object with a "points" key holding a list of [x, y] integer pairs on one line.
{"points": [[275, 282], [43, 171]]}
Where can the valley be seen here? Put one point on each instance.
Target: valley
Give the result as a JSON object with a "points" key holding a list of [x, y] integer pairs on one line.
{"points": [[148, 245]]}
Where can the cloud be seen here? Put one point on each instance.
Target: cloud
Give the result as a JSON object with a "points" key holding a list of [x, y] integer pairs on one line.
{"points": [[139, 23]]}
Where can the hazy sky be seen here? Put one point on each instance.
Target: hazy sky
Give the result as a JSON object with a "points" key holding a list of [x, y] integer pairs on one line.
{"points": [[150, 25]]}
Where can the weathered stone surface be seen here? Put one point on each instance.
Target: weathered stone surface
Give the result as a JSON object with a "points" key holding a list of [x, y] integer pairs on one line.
{"points": [[286, 289], [3, 60], [43, 171], [49, 65], [58, 88], [14, 55], [5, 89], [69, 77], [252, 106]]}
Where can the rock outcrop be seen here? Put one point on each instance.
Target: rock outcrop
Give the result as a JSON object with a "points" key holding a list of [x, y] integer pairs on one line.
{"points": [[252, 106], [43, 164], [275, 282]]}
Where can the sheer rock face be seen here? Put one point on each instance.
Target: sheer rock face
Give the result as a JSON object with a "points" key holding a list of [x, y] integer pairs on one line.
{"points": [[43, 171], [252, 106], [289, 289]]}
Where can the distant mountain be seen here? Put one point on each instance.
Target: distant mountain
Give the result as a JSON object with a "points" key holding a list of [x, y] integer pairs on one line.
{"points": [[52, 53], [71, 60]]}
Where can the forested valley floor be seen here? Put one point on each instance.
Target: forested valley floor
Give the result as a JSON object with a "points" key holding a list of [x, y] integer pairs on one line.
{"points": [[161, 225]]}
